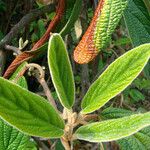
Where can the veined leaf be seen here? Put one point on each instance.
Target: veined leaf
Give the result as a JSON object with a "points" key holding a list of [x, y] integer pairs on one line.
{"points": [[28, 112], [114, 113], [138, 141], [113, 129], [116, 78], [60, 70], [11, 139], [137, 20]]}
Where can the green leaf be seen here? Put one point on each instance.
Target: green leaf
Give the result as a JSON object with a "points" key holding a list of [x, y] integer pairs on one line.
{"points": [[73, 18], [113, 129], [17, 79], [136, 95], [116, 78], [138, 141], [113, 113], [60, 70], [28, 112], [137, 20], [11, 139]]}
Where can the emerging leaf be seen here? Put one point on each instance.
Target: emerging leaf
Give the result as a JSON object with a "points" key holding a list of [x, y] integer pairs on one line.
{"points": [[106, 17], [60, 70], [28, 112], [116, 78], [113, 129]]}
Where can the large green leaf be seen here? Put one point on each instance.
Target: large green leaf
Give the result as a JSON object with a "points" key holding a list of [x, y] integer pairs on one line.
{"points": [[60, 70], [116, 78], [138, 22], [113, 129], [28, 112], [138, 141], [10, 138]]}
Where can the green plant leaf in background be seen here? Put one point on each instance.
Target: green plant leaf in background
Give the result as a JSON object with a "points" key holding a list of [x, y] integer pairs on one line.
{"points": [[113, 129], [114, 113], [137, 20], [60, 70], [28, 112], [73, 18], [116, 78], [136, 95], [19, 80]]}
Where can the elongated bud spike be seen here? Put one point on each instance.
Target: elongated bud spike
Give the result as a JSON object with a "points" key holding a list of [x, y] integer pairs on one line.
{"points": [[98, 34]]}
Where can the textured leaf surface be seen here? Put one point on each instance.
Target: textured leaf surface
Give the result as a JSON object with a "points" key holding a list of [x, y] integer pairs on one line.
{"points": [[109, 18], [60, 70], [113, 129], [138, 22], [138, 141], [11, 139], [116, 78], [114, 113], [28, 112], [105, 19]]}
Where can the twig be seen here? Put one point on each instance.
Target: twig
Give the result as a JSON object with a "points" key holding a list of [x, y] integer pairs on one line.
{"points": [[13, 48], [40, 77], [2, 61], [25, 21], [65, 144]]}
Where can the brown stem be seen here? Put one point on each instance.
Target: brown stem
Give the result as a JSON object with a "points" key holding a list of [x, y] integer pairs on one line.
{"points": [[65, 144], [42, 81]]}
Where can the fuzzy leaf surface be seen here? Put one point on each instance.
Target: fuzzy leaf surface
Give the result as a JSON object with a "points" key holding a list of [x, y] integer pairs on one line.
{"points": [[137, 20], [60, 70], [138, 141], [28, 112], [116, 78], [113, 129]]}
